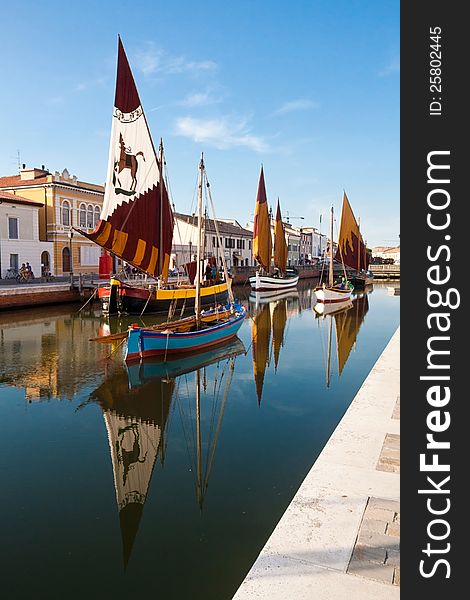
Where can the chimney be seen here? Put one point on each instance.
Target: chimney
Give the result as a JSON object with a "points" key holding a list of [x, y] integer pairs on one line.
{"points": [[34, 173]]}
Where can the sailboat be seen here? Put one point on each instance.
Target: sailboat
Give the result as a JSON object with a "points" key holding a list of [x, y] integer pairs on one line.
{"points": [[136, 221], [267, 333], [136, 406], [262, 247], [205, 329], [352, 250], [348, 321], [340, 293]]}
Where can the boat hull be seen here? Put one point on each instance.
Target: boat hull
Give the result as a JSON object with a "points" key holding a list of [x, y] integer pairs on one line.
{"points": [[323, 309], [142, 343], [132, 300], [329, 295], [265, 283]]}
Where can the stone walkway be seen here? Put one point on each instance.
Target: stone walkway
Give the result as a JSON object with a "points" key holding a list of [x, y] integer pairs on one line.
{"points": [[339, 537]]}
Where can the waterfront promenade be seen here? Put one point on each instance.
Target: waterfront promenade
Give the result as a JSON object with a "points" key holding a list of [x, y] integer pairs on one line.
{"points": [[339, 537]]}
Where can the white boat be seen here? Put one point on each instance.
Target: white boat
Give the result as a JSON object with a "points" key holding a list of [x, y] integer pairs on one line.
{"points": [[325, 308], [334, 293], [264, 280], [264, 283]]}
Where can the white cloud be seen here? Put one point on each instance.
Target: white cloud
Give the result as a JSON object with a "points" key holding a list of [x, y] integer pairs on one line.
{"points": [[392, 67], [201, 99], [295, 105], [220, 132], [154, 60]]}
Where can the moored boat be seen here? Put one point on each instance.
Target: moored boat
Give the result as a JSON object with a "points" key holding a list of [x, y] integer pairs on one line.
{"points": [[264, 280], [334, 293], [136, 222]]}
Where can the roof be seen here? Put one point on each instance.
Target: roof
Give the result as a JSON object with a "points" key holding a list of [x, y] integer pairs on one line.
{"points": [[15, 199], [15, 180], [224, 227]]}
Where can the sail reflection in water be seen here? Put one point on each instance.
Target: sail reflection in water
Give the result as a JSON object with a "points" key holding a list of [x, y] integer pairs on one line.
{"points": [[136, 406], [348, 321], [269, 322]]}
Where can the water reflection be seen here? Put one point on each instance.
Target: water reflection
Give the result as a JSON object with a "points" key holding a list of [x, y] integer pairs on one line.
{"points": [[348, 319], [48, 353], [136, 405]]}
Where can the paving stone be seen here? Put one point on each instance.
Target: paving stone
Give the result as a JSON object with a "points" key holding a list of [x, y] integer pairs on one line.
{"points": [[384, 504], [393, 558], [378, 540], [374, 525], [371, 553], [393, 529], [396, 576], [383, 573], [380, 514]]}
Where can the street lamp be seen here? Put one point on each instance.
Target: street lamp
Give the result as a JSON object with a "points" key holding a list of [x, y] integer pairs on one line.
{"points": [[71, 258]]}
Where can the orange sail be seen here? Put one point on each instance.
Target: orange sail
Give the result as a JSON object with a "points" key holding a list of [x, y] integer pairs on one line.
{"points": [[351, 247], [279, 325], [136, 222], [280, 245], [260, 335], [348, 324], [262, 243]]}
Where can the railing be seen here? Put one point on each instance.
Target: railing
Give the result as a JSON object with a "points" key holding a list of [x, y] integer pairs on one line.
{"points": [[395, 268]]}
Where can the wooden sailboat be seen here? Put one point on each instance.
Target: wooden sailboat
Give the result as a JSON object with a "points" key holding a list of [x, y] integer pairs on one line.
{"points": [[352, 250], [267, 333], [136, 222], [136, 408], [348, 321], [144, 342], [264, 280], [333, 293]]}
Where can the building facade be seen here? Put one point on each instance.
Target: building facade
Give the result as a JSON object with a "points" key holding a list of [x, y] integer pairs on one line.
{"points": [[387, 252], [236, 241], [19, 236], [65, 203]]}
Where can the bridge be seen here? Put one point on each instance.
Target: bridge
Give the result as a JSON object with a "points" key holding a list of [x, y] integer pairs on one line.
{"points": [[385, 271]]}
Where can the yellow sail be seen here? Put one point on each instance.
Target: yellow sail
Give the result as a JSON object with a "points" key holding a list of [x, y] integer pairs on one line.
{"points": [[351, 248], [262, 243], [280, 245], [260, 335], [279, 325], [348, 324]]}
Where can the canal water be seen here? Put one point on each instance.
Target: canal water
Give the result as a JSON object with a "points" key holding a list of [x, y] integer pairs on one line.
{"points": [[166, 480]]}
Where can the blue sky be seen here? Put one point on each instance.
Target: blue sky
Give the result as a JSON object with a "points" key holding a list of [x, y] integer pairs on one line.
{"points": [[309, 89]]}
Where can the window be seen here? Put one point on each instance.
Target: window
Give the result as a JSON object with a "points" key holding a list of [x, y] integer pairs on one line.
{"points": [[229, 243], [249, 244], [97, 216], [241, 244], [13, 228], [66, 213], [14, 261], [89, 217], [89, 256], [215, 242], [82, 215]]}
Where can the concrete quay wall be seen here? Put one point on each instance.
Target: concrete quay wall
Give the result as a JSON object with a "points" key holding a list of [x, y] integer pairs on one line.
{"points": [[339, 537]]}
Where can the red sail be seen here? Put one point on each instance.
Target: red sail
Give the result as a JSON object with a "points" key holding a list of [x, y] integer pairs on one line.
{"points": [[351, 247], [136, 221]]}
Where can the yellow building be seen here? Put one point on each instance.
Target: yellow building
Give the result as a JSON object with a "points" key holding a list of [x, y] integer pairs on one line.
{"points": [[66, 203]]}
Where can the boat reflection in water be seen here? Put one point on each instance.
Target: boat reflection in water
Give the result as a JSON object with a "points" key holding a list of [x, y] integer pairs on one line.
{"points": [[136, 407], [268, 330], [348, 320]]}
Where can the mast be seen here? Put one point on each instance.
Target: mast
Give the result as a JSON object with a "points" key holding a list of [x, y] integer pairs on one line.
{"points": [[330, 277], [160, 167], [328, 361], [198, 436], [359, 244], [197, 304]]}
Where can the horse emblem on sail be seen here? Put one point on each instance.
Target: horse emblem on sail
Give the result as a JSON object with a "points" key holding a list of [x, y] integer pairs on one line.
{"points": [[126, 160]]}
